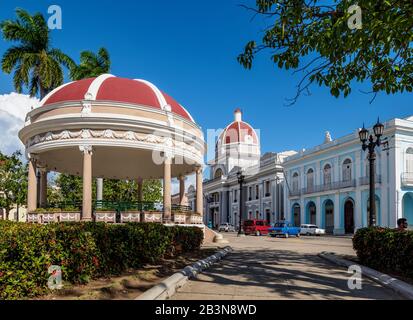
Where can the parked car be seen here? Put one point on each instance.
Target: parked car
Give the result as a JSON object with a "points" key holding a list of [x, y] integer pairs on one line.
{"points": [[226, 227], [256, 227], [311, 230], [284, 228]]}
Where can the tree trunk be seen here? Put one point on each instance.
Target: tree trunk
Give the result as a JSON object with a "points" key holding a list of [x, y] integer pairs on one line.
{"points": [[43, 92]]}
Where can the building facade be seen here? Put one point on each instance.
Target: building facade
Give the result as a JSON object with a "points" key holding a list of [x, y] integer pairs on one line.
{"points": [[238, 150], [328, 185]]}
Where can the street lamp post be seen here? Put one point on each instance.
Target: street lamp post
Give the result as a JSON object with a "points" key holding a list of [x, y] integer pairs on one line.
{"points": [[370, 144], [241, 178]]}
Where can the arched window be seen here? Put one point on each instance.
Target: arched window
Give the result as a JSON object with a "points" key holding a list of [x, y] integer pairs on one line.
{"points": [[327, 174], [409, 160], [310, 179], [295, 181], [218, 174], [347, 170]]}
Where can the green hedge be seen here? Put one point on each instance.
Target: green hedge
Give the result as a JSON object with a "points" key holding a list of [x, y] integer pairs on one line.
{"points": [[83, 250], [386, 250]]}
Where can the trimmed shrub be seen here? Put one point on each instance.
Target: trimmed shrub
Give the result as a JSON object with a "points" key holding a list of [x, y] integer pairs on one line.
{"points": [[386, 250], [186, 239], [83, 250]]}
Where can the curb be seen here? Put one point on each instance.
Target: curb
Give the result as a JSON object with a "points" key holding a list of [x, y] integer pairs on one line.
{"points": [[402, 288], [168, 287]]}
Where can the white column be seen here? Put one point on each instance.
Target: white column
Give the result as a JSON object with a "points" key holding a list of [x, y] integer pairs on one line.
{"points": [[319, 211], [394, 183], [199, 192], [384, 192], [87, 183], [302, 178], [399, 169], [302, 203], [318, 174], [336, 170], [99, 189], [287, 203], [302, 207], [337, 213], [167, 201], [225, 212], [32, 186], [358, 214]]}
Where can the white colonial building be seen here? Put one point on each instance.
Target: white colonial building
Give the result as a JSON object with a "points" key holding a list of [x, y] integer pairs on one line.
{"points": [[238, 149], [328, 185]]}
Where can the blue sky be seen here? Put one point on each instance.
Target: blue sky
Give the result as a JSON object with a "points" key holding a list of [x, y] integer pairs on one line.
{"points": [[189, 49]]}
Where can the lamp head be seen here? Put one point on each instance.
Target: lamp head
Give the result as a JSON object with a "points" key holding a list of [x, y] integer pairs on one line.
{"points": [[364, 135], [378, 129]]}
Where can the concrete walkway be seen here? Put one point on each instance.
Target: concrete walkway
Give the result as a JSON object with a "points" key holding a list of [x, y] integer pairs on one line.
{"points": [[262, 268]]}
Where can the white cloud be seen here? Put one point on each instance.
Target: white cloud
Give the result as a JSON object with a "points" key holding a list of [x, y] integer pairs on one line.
{"points": [[13, 110]]}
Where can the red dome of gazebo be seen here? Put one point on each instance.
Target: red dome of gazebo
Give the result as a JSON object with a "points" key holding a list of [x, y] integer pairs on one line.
{"points": [[120, 90]]}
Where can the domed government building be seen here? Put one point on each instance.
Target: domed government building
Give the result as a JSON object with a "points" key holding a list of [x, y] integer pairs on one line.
{"points": [[238, 152]]}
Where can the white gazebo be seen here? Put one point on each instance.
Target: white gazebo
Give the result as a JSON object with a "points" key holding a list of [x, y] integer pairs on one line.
{"points": [[114, 128]]}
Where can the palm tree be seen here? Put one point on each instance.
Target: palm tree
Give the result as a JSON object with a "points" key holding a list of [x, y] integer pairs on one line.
{"points": [[36, 65], [91, 65]]}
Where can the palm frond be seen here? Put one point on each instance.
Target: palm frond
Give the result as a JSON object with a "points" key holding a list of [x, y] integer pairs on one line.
{"points": [[17, 80], [11, 57], [62, 58], [34, 85]]}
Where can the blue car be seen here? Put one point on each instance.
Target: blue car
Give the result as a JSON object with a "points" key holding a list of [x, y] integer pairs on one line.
{"points": [[284, 228]]}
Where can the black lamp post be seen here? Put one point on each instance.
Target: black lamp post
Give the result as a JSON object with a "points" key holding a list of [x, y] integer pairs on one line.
{"points": [[370, 144], [241, 179]]}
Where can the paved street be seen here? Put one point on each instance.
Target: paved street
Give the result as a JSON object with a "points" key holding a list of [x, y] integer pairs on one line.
{"points": [[265, 268]]}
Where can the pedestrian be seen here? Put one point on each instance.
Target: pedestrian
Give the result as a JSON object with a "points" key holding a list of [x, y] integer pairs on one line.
{"points": [[402, 224]]}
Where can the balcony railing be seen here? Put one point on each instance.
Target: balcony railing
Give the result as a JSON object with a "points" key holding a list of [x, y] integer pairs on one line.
{"points": [[295, 193], [365, 181], [324, 187], [407, 179]]}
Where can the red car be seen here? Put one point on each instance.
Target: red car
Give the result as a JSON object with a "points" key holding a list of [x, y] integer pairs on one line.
{"points": [[256, 227]]}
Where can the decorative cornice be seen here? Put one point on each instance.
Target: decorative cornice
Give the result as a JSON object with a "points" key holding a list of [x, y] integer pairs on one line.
{"points": [[108, 134]]}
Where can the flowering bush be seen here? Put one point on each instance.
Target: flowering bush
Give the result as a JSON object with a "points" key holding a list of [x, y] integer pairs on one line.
{"points": [[386, 250], [83, 250]]}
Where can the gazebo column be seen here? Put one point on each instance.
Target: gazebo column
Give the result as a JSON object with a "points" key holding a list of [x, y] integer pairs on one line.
{"points": [[32, 186], [43, 187], [181, 189], [87, 183], [167, 201], [99, 189], [199, 192]]}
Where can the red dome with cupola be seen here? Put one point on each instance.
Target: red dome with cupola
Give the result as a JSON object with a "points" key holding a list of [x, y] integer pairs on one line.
{"points": [[238, 132], [119, 90]]}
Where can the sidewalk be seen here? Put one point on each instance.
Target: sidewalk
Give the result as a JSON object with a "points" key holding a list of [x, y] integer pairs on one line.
{"points": [[277, 269]]}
